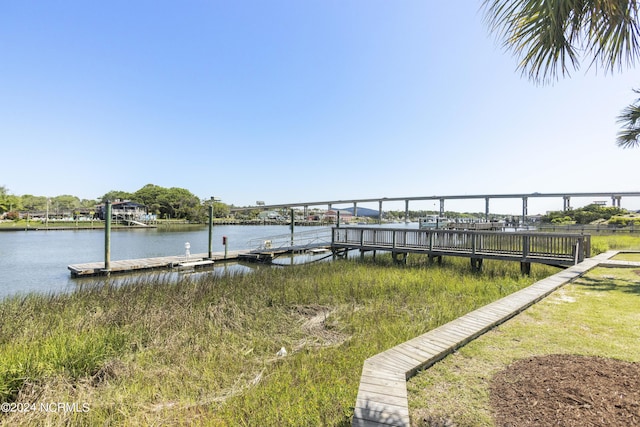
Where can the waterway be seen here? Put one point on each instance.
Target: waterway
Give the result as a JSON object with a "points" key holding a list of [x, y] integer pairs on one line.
{"points": [[36, 261]]}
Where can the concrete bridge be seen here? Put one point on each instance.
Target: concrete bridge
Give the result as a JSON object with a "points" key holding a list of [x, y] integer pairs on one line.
{"points": [[615, 196]]}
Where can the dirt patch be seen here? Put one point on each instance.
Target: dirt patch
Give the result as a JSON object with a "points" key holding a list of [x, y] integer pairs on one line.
{"points": [[318, 330], [567, 390]]}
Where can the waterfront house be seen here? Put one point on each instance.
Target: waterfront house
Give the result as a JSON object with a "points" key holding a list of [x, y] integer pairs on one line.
{"points": [[123, 209], [332, 215]]}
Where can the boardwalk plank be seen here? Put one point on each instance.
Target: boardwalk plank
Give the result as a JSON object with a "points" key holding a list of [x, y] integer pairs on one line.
{"points": [[382, 382], [393, 397]]}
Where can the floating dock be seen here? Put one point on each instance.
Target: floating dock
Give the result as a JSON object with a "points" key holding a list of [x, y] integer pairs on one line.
{"points": [[156, 263], [194, 261]]}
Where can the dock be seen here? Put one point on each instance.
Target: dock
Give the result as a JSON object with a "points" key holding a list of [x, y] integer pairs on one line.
{"points": [[194, 261], [562, 250], [156, 263], [557, 249]]}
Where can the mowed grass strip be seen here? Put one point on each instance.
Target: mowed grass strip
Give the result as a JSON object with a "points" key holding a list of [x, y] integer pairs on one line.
{"points": [[595, 316]]}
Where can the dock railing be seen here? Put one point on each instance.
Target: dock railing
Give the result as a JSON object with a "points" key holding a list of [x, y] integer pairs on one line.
{"points": [[546, 248], [300, 239]]}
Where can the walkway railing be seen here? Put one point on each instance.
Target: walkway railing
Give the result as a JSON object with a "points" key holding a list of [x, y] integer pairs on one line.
{"points": [[304, 238], [546, 248]]}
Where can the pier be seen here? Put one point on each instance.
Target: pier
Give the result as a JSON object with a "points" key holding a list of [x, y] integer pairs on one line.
{"points": [[562, 250], [557, 249], [263, 250], [179, 262]]}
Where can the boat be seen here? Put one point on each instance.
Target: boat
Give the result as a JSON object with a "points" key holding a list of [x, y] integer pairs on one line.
{"points": [[433, 221]]}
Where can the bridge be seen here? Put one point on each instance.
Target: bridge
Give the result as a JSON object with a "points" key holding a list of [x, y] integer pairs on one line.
{"points": [[562, 250], [615, 196]]}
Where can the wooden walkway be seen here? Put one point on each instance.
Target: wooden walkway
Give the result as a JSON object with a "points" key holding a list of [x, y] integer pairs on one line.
{"points": [[526, 247], [382, 396]]}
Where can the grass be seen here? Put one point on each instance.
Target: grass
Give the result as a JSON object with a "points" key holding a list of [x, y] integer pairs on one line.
{"points": [[597, 315], [203, 351], [603, 243]]}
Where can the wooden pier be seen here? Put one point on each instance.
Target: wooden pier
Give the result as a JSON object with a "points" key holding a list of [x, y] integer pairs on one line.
{"points": [[194, 261], [179, 262], [557, 249]]}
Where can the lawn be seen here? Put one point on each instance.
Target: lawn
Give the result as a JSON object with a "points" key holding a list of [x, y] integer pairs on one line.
{"points": [[597, 315]]}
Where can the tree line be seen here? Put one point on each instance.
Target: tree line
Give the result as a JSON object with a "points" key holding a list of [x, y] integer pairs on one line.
{"points": [[165, 203], [586, 215]]}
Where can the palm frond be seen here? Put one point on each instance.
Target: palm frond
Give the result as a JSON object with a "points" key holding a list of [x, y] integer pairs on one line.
{"points": [[629, 136], [549, 37]]}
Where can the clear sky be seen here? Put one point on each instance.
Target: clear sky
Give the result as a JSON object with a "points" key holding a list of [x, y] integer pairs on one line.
{"points": [[289, 100]]}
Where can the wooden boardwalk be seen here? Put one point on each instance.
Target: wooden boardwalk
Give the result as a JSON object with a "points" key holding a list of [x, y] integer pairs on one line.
{"points": [[525, 247], [382, 395]]}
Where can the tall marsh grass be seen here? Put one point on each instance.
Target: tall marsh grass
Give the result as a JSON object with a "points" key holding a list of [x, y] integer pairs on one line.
{"points": [[603, 243], [203, 350]]}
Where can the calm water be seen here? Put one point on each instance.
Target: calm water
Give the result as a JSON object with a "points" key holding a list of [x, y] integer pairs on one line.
{"points": [[36, 261]]}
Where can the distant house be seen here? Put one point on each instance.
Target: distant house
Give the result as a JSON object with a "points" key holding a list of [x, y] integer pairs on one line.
{"points": [[123, 210], [332, 215], [270, 215]]}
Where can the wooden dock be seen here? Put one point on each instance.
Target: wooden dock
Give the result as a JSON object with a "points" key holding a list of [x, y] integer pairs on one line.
{"points": [[155, 263], [526, 247], [194, 261], [382, 395]]}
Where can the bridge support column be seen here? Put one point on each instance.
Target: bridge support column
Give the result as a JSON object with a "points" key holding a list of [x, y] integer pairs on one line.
{"points": [[355, 209], [486, 209], [567, 203], [525, 268], [379, 211], [615, 201], [406, 211], [524, 210], [441, 207]]}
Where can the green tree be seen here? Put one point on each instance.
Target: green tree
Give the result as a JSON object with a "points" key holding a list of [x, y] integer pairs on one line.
{"points": [[584, 215], [180, 203], [551, 36], [8, 202], [33, 203], [65, 202], [220, 210], [88, 203], [169, 202], [116, 195]]}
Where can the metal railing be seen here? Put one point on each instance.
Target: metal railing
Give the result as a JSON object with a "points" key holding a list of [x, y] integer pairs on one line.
{"points": [[306, 238]]}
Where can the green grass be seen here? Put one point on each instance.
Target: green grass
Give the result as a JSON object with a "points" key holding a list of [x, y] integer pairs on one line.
{"points": [[203, 351], [597, 315], [603, 243]]}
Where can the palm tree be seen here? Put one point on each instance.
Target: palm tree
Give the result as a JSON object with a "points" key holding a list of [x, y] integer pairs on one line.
{"points": [[551, 36]]}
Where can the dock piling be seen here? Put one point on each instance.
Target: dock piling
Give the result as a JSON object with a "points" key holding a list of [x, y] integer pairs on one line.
{"points": [[107, 237]]}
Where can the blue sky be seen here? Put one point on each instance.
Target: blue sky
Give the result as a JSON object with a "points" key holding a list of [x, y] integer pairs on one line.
{"points": [[286, 101]]}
